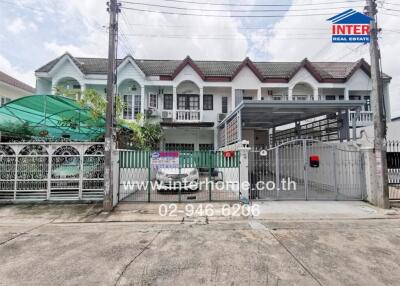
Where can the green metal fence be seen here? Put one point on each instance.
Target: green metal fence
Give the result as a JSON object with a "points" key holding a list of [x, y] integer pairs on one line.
{"points": [[212, 166], [187, 159]]}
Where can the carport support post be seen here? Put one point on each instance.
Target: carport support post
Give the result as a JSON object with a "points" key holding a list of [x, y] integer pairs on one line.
{"points": [[273, 137], [354, 123]]}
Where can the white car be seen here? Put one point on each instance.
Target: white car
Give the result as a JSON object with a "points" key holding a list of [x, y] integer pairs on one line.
{"points": [[175, 179]]}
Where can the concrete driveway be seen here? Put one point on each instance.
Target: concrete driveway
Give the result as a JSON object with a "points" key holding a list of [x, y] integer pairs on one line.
{"points": [[289, 243]]}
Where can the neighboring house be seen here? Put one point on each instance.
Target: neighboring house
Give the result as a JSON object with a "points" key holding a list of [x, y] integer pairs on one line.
{"points": [[11, 88], [191, 98]]}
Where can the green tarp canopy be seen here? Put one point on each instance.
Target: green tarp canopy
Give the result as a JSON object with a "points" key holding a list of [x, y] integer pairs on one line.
{"points": [[50, 116]]}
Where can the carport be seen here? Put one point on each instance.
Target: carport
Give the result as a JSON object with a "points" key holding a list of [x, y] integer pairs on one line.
{"points": [[288, 120]]}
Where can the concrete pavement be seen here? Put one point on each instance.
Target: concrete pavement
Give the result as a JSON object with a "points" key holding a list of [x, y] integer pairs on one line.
{"points": [[288, 243]]}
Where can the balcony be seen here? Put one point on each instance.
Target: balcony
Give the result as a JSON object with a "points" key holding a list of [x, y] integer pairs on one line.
{"points": [[365, 118], [187, 116]]}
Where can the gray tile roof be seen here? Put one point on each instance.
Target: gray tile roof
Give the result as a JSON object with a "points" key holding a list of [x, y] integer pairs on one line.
{"points": [[277, 69], [158, 67], [15, 82], [281, 70], [335, 70]]}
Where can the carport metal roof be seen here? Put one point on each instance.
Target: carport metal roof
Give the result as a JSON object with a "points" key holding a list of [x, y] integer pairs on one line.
{"points": [[269, 114]]}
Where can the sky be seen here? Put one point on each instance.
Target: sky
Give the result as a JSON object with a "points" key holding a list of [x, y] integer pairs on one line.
{"points": [[37, 31]]}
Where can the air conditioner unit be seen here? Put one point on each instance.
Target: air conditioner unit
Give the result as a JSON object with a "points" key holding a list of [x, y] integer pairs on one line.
{"points": [[151, 112], [167, 115], [221, 116]]}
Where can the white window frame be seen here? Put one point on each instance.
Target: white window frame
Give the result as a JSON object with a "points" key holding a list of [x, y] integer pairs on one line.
{"points": [[4, 100], [135, 105], [150, 103]]}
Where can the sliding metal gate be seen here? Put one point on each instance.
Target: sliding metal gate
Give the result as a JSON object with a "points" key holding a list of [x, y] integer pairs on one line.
{"points": [[306, 170], [216, 174]]}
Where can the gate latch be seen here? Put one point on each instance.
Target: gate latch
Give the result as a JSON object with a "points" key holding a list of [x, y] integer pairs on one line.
{"points": [[314, 161]]}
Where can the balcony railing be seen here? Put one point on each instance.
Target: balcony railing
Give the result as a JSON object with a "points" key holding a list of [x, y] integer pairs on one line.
{"points": [[365, 118], [188, 115]]}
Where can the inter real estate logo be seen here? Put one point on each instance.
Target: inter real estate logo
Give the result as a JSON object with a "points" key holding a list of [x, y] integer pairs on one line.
{"points": [[350, 27]]}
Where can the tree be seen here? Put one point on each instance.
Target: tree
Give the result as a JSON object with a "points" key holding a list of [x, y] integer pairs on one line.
{"points": [[140, 133]]}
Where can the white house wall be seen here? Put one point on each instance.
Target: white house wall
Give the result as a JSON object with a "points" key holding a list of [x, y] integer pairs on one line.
{"points": [[43, 86], [194, 136], [187, 87], [188, 74], [246, 79], [303, 76], [218, 93], [129, 71], [359, 81], [11, 93]]}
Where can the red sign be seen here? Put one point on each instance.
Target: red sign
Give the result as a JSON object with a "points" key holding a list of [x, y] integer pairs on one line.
{"points": [[314, 161], [229, 154], [169, 154]]}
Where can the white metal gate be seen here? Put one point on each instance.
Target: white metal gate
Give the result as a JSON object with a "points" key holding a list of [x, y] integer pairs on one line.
{"points": [[306, 170], [57, 171]]}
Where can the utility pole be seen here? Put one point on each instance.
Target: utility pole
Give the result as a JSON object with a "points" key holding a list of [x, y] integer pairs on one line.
{"points": [[113, 9], [381, 190]]}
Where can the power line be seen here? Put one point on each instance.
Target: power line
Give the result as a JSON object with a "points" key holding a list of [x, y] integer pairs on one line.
{"points": [[222, 27], [232, 11], [212, 37], [224, 16], [124, 37], [257, 5]]}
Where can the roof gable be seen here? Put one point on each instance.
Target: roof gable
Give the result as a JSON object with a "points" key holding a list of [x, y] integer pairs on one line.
{"points": [[306, 64], [188, 62], [361, 64], [129, 60], [248, 63], [61, 60]]}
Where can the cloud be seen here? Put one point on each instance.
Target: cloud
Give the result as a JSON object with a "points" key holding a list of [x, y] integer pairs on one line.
{"points": [[153, 35], [16, 26], [94, 45], [27, 77], [294, 38]]}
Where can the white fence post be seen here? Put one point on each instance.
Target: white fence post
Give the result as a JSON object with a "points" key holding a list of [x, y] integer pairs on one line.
{"points": [[369, 169], [16, 178], [244, 174], [81, 166], [49, 167]]}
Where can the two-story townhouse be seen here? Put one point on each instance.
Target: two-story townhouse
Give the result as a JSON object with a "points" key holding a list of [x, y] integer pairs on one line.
{"points": [[12, 88], [190, 98]]}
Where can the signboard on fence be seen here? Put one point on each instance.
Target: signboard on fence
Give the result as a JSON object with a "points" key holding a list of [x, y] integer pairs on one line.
{"points": [[163, 160]]}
